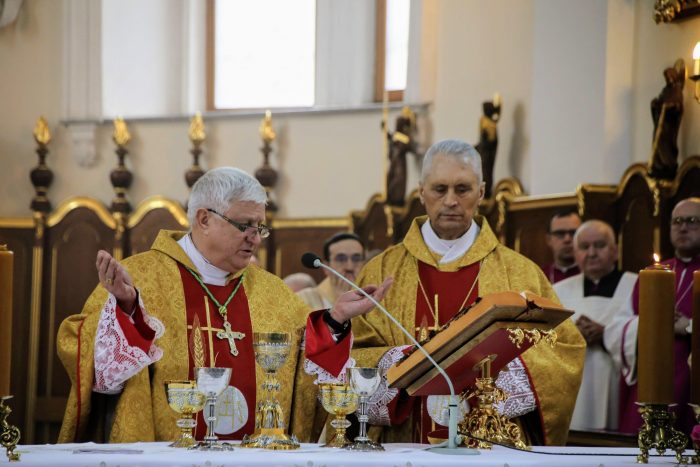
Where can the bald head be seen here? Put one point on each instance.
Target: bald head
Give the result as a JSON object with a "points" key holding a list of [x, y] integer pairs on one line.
{"points": [[685, 228], [595, 249]]}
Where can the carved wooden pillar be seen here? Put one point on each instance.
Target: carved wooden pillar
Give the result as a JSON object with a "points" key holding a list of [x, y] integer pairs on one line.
{"points": [[121, 179], [197, 135], [267, 176], [41, 177]]}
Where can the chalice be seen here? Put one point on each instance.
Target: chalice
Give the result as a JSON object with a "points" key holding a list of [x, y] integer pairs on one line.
{"points": [[185, 399], [271, 351], [212, 382], [339, 400], [364, 382]]}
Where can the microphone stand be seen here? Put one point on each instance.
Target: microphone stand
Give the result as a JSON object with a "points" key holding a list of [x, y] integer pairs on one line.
{"points": [[453, 439]]}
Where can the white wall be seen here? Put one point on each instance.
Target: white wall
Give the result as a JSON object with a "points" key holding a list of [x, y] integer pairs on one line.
{"points": [[576, 80]]}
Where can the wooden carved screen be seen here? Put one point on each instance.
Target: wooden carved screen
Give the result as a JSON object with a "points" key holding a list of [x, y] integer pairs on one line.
{"points": [[72, 237]]}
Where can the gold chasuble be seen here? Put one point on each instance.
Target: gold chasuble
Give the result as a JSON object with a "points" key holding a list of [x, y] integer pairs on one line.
{"points": [[191, 321], [487, 267]]}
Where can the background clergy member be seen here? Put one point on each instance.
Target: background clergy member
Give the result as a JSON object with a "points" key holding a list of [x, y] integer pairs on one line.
{"points": [[193, 300], [345, 253], [621, 335], [560, 239], [447, 259], [597, 295]]}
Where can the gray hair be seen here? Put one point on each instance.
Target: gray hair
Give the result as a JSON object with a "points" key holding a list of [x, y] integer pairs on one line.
{"points": [[456, 149], [596, 224], [219, 188]]}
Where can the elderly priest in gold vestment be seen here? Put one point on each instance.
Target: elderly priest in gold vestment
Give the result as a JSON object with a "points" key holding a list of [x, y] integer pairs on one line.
{"points": [[445, 262], [193, 300]]}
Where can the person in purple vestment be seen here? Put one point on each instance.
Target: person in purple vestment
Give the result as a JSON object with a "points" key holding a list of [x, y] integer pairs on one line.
{"points": [[622, 334], [560, 238]]}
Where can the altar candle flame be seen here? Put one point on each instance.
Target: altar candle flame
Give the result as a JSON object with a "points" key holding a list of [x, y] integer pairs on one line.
{"points": [[657, 258]]}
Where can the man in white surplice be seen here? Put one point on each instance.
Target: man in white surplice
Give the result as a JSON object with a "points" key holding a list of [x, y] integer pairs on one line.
{"points": [[596, 295]]}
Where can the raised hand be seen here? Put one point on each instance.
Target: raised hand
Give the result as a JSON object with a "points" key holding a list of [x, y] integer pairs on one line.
{"points": [[353, 303], [116, 280]]}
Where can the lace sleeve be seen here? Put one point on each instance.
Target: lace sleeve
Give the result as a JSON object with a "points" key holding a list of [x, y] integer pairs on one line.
{"points": [[513, 379], [377, 408], [115, 359]]}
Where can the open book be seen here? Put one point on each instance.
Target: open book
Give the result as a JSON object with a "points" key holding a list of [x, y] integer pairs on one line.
{"points": [[472, 335]]}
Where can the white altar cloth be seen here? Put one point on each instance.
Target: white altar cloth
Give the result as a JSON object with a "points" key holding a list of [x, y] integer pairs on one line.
{"points": [[310, 455]]}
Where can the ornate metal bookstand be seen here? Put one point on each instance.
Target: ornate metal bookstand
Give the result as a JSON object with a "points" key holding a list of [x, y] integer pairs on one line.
{"points": [[657, 432], [483, 421], [9, 434]]}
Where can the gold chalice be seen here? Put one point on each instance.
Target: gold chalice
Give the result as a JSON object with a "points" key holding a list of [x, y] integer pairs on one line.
{"points": [[271, 351], [185, 399], [339, 400]]}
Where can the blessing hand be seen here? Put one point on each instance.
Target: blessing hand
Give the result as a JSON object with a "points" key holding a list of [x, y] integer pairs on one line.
{"points": [[353, 303], [116, 280]]}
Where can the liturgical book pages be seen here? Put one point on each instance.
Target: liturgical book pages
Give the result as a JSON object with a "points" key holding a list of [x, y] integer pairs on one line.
{"points": [[472, 335]]}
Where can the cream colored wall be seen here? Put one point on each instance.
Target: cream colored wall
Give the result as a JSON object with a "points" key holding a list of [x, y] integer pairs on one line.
{"points": [[331, 163], [656, 48]]}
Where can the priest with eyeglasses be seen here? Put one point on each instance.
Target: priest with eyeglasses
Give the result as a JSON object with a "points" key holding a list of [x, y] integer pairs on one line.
{"points": [[193, 300]]}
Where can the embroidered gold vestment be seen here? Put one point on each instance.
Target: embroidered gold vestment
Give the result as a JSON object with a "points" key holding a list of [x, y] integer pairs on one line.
{"points": [[142, 412], [555, 373]]}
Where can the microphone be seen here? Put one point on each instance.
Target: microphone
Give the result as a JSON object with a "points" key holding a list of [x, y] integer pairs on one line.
{"points": [[312, 261]]}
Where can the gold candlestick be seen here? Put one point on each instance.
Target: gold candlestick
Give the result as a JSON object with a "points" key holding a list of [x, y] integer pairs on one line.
{"points": [[657, 432], [9, 434]]}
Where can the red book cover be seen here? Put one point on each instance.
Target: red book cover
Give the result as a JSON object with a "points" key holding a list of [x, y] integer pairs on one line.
{"points": [[472, 335]]}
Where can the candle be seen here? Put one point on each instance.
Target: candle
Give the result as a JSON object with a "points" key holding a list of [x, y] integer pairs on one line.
{"points": [[695, 364], [655, 341], [5, 319], [696, 59]]}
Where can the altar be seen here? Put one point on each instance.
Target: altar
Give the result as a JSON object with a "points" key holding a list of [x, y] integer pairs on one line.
{"points": [[312, 455]]}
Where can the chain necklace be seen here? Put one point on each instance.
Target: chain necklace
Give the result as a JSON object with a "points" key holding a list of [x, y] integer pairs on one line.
{"points": [[222, 308], [434, 312]]}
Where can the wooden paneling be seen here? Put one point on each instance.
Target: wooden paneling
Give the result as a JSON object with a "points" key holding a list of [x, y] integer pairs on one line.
{"points": [[19, 237]]}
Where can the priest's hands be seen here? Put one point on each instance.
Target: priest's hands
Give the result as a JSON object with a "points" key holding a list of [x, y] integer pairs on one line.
{"points": [[353, 303], [591, 331], [116, 280]]}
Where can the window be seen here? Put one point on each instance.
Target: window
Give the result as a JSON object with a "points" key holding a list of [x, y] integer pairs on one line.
{"points": [[261, 53], [391, 64]]}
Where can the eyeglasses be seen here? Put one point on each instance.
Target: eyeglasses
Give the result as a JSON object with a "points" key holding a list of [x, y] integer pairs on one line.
{"points": [[262, 229], [562, 233], [342, 258], [692, 222]]}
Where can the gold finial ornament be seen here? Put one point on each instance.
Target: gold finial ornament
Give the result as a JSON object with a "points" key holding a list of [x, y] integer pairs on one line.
{"points": [[121, 136], [197, 134], [42, 135], [267, 133]]}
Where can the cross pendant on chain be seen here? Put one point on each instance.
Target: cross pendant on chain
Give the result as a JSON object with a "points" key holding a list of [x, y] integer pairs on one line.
{"points": [[231, 336]]}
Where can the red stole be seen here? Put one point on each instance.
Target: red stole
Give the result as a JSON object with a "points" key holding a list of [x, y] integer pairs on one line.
{"points": [[452, 289], [242, 366]]}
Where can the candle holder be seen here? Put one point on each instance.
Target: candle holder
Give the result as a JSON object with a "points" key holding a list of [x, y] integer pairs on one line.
{"points": [[696, 444], [9, 434], [657, 432]]}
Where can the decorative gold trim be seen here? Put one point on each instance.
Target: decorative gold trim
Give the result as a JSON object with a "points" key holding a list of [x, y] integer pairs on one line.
{"points": [[305, 223], [158, 202], [687, 165], [34, 314], [524, 203], [81, 202], [51, 321], [16, 222], [509, 185]]}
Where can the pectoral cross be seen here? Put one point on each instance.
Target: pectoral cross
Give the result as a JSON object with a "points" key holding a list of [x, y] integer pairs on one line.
{"points": [[230, 335]]}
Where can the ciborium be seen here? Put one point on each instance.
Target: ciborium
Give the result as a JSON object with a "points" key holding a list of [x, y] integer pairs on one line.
{"points": [[364, 382], [339, 400], [186, 399], [212, 382], [271, 351]]}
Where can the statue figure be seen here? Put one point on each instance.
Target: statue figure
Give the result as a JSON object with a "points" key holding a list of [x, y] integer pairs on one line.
{"points": [[667, 112], [488, 139], [400, 143]]}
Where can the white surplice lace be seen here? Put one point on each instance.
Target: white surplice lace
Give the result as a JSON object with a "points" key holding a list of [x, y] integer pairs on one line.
{"points": [[115, 360]]}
